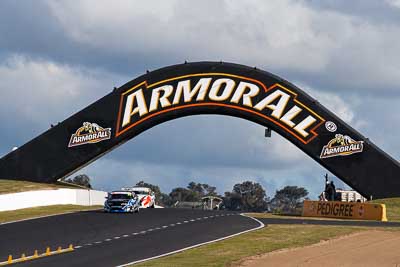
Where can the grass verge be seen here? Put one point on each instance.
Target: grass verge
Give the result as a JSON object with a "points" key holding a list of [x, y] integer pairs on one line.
{"points": [[12, 186], [273, 237], [392, 208], [231, 251], [15, 215]]}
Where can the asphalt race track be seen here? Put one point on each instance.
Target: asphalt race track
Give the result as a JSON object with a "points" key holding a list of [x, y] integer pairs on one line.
{"points": [[113, 239]]}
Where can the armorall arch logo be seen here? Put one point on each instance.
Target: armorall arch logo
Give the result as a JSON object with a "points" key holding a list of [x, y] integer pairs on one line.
{"points": [[342, 145], [89, 133], [277, 103]]}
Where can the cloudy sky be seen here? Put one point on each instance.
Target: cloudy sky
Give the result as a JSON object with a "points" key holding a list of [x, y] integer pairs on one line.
{"points": [[56, 57]]}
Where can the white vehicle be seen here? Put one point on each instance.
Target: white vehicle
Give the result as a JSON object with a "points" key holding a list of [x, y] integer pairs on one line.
{"points": [[146, 196]]}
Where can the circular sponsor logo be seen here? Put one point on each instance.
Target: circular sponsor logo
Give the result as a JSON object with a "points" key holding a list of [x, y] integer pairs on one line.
{"points": [[330, 126]]}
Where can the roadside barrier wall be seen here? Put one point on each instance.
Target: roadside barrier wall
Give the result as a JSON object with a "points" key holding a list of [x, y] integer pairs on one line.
{"points": [[345, 210], [63, 196]]}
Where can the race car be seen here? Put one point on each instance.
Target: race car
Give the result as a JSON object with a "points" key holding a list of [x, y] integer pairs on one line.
{"points": [[122, 201], [146, 196]]}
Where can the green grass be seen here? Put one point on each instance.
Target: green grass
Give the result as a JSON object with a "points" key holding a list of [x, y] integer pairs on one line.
{"points": [[12, 186], [231, 251], [14, 215]]}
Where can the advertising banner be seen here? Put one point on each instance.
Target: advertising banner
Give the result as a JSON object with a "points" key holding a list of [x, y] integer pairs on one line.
{"points": [[345, 210]]}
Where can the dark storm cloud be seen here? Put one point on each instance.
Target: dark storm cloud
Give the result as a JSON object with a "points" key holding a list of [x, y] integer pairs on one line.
{"points": [[127, 38], [29, 28]]}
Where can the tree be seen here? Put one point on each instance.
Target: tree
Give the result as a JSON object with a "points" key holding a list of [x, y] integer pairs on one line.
{"points": [[289, 198], [193, 193], [247, 196], [166, 200], [82, 180], [232, 201], [195, 187], [202, 190], [183, 194], [210, 190]]}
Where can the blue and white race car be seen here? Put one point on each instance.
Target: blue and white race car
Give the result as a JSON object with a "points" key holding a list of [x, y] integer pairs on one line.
{"points": [[122, 201]]}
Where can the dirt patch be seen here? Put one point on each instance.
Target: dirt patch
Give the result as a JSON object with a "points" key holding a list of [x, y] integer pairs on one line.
{"points": [[367, 248]]}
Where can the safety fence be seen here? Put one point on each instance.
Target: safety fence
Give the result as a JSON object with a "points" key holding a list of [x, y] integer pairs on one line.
{"points": [[63, 196]]}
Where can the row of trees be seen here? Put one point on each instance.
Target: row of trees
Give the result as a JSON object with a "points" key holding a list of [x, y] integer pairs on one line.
{"points": [[245, 196], [192, 193], [250, 196]]}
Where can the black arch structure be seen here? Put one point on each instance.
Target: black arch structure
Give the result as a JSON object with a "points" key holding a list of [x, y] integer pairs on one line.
{"points": [[276, 104]]}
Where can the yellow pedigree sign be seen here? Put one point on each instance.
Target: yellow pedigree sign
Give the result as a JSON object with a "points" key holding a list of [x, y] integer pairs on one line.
{"points": [[345, 210]]}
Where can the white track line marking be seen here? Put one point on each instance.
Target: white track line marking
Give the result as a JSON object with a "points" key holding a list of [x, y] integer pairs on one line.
{"points": [[77, 247], [198, 245], [158, 228]]}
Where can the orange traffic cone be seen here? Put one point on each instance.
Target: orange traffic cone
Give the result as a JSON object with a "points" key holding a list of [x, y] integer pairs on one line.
{"points": [[48, 251]]}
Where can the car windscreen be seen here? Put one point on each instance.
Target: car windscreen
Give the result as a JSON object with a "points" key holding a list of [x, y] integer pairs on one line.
{"points": [[120, 196], [141, 192]]}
